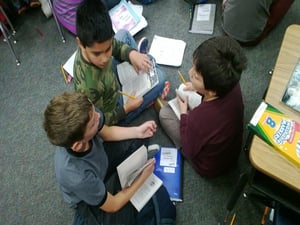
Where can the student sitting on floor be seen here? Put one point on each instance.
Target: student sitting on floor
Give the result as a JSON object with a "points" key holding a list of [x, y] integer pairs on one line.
{"points": [[210, 136], [250, 21], [98, 54], [87, 154]]}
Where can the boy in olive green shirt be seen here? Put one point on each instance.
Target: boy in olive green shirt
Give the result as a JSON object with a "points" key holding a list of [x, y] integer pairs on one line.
{"points": [[98, 54]]}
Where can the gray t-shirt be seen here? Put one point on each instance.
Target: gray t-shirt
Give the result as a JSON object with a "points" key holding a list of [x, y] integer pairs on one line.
{"points": [[244, 20], [80, 175]]}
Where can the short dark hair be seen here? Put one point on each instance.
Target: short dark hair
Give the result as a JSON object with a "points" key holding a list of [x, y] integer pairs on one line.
{"points": [[93, 23], [220, 61], [66, 118]]}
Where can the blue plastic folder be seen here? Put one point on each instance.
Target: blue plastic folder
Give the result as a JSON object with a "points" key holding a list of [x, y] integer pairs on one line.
{"points": [[168, 168]]}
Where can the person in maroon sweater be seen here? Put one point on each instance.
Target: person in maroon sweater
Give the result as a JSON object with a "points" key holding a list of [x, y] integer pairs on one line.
{"points": [[210, 136]]}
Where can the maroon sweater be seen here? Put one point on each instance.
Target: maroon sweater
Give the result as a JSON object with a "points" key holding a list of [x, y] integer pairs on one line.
{"points": [[212, 134]]}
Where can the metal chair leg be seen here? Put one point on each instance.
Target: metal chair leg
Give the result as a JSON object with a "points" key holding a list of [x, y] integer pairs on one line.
{"points": [[57, 23], [8, 36], [8, 21]]}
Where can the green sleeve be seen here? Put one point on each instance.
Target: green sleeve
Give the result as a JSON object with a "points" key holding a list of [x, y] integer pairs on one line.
{"points": [[121, 50], [101, 86]]}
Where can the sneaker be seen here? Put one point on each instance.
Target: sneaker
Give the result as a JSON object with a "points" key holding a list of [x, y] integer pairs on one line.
{"points": [[34, 3], [143, 45]]}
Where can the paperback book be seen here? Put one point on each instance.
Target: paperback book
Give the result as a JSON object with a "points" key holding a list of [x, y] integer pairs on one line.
{"points": [[130, 169], [194, 99], [278, 130], [168, 168]]}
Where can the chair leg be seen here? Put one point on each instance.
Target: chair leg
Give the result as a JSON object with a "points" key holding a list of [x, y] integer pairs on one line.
{"points": [[8, 21], [243, 179], [57, 23], [7, 37]]}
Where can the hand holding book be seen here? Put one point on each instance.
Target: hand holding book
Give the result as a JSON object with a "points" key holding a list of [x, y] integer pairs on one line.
{"points": [[147, 169]]}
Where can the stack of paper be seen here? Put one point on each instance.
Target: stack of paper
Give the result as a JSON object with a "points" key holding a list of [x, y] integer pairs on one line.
{"points": [[167, 51]]}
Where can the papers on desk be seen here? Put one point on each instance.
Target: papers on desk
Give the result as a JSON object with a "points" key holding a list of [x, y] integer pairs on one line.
{"points": [[291, 95], [167, 51]]}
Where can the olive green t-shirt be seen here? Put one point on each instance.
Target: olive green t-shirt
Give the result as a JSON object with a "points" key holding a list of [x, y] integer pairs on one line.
{"points": [[102, 85]]}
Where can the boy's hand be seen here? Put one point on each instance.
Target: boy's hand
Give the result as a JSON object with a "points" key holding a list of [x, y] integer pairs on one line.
{"points": [[147, 129], [132, 104], [188, 87], [139, 61], [183, 106], [148, 170]]}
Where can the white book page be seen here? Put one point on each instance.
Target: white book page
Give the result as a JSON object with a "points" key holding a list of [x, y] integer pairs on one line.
{"points": [[69, 65], [130, 167], [146, 191], [194, 99], [167, 51], [131, 81], [174, 105], [127, 167]]}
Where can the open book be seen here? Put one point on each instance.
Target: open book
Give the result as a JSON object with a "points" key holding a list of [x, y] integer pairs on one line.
{"points": [[194, 99], [130, 169], [132, 81]]}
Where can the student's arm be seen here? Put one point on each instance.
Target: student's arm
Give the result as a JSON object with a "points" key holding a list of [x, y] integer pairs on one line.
{"points": [[116, 133], [115, 202]]}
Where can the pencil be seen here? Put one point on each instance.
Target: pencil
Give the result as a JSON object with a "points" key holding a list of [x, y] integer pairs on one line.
{"points": [[63, 73], [232, 219], [181, 77], [128, 95], [263, 219]]}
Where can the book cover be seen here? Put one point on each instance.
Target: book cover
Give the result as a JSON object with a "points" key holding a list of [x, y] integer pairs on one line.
{"points": [[128, 171], [123, 16], [278, 130], [291, 96], [168, 168], [203, 18]]}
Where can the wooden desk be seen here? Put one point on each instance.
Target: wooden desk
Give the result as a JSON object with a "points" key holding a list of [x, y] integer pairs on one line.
{"points": [[263, 157]]}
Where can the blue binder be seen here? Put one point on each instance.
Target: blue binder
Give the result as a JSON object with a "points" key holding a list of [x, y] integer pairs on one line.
{"points": [[168, 168]]}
